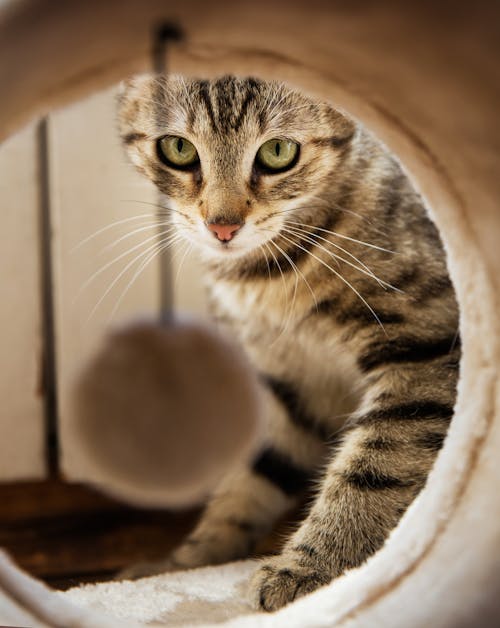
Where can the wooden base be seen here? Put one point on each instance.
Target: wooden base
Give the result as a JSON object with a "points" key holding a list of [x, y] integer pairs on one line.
{"points": [[66, 534]]}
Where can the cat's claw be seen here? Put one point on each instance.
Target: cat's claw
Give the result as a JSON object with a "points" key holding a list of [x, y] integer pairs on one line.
{"points": [[281, 580]]}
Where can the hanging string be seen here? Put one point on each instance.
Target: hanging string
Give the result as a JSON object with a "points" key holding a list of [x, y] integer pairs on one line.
{"points": [[162, 37]]}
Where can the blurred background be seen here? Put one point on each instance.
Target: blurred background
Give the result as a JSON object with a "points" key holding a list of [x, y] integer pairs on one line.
{"points": [[77, 252]]}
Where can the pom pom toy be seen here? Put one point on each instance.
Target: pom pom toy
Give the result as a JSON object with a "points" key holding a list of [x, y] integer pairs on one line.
{"points": [[165, 408], [162, 411]]}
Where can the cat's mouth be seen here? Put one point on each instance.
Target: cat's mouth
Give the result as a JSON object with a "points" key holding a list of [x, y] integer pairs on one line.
{"points": [[226, 240], [231, 241], [227, 247]]}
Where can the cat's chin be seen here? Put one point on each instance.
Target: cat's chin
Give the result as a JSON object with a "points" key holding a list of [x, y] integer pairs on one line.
{"points": [[225, 252]]}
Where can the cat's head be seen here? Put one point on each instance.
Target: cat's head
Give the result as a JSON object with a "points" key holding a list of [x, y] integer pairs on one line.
{"points": [[234, 157]]}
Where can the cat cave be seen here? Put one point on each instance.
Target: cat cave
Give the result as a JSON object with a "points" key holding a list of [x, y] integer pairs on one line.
{"points": [[424, 78]]}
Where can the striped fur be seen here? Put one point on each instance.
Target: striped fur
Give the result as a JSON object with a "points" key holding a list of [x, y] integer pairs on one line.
{"points": [[337, 288]]}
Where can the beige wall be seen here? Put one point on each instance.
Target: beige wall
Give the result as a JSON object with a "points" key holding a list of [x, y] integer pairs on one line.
{"points": [[21, 404], [91, 186]]}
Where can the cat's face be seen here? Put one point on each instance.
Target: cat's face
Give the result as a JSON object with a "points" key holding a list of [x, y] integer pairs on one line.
{"points": [[234, 157]]}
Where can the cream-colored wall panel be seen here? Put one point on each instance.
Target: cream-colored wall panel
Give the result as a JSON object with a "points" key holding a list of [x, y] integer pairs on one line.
{"points": [[104, 241], [22, 440], [103, 233], [187, 281]]}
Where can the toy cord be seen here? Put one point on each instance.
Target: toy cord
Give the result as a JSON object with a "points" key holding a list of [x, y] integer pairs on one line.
{"points": [[163, 35]]}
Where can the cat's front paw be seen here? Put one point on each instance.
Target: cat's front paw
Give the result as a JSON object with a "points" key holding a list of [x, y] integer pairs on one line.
{"points": [[193, 552], [281, 579]]}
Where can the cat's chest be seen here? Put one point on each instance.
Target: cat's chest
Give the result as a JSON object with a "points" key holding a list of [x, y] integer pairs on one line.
{"points": [[290, 345], [258, 305], [274, 324]]}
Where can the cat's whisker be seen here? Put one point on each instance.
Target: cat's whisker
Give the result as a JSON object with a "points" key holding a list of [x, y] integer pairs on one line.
{"points": [[275, 105], [160, 248], [162, 208], [365, 269], [187, 250], [285, 291], [295, 209], [343, 279], [103, 268], [265, 105], [327, 204], [278, 110], [261, 248], [140, 229], [300, 231], [110, 226], [287, 112], [145, 227], [295, 287], [283, 281], [338, 258], [361, 217], [330, 202], [291, 210], [292, 263], [345, 237], [288, 311], [297, 270], [308, 237], [153, 247], [156, 250]]}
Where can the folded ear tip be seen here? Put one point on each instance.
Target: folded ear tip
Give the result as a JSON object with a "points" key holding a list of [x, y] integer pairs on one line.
{"points": [[162, 412]]}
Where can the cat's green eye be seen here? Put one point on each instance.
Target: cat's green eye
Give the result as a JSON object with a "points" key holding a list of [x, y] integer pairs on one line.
{"points": [[177, 151], [276, 155]]}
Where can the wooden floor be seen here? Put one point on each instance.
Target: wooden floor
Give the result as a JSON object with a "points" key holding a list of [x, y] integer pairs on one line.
{"points": [[66, 534]]}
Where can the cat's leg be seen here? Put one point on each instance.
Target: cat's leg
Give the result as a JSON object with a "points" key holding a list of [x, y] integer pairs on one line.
{"points": [[250, 500], [380, 467]]}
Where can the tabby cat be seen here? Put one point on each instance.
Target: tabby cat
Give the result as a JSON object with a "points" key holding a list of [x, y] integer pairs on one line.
{"points": [[321, 261]]}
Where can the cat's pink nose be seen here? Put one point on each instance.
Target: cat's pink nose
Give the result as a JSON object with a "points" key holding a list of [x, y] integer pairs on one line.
{"points": [[223, 232]]}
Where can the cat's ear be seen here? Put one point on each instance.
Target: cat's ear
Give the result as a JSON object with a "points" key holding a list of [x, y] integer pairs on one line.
{"points": [[133, 95], [132, 91], [135, 84], [342, 125]]}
